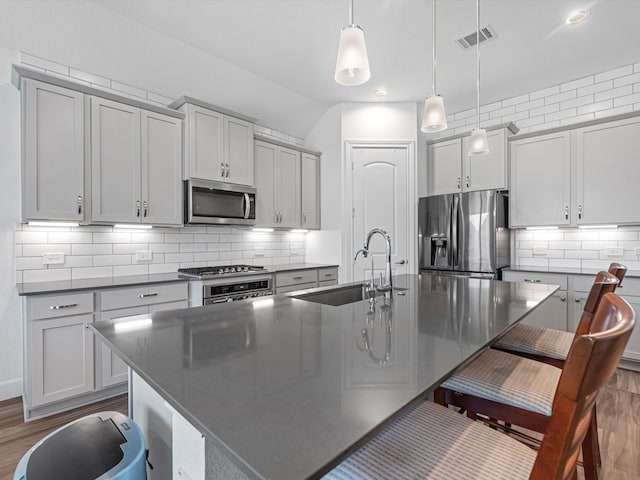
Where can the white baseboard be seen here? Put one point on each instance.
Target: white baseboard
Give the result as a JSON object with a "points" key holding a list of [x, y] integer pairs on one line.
{"points": [[10, 389]]}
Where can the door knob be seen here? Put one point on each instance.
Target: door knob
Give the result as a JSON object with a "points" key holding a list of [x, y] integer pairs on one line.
{"points": [[401, 262]]}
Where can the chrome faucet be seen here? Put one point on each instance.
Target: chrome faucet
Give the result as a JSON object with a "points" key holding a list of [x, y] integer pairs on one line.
{"points": [[387, 287]]}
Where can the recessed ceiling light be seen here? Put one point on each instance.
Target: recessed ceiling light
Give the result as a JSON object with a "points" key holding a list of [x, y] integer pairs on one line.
{"points": [[577, 17], [379, 92]]}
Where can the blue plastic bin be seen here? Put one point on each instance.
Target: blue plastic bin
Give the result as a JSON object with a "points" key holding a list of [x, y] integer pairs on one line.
{"points": [[106, 445]]}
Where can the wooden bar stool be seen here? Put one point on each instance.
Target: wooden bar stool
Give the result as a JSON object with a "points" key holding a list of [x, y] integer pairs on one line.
{"points": [[432, 442], [519, 390]]}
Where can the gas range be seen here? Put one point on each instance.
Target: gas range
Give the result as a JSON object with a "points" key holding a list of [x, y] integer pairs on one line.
{"points": [[217, 271]]}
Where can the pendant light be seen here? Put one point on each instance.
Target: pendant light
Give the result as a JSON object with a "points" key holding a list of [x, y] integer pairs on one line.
{"points": [[478, 143], [352, 64], [434, 118]]}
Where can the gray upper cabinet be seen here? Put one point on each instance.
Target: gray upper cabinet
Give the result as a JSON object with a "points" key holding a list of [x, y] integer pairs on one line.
{"points": [[219, 146], [115, 162], [278, 184], [444, 167], [608, 173], [53, 152], [310, 190], [136, 161]]}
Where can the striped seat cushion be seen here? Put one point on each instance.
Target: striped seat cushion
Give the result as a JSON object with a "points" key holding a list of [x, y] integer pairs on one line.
{"points": [[508, 379], [433, 442], [545, 342]]}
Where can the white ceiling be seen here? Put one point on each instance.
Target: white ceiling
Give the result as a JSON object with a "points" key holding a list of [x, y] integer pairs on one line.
{"points": [[293, 42]]}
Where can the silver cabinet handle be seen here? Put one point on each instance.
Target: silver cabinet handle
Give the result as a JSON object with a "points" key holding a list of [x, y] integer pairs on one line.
{"points": [[563, 299], [458, 182], [137, 208], [79, 200], [145, 295], [297, 278], [579, 212], [221, 169], [401, 262], [146, 208], [328, 275], [304, 219], [534, 280], [577, 300], [467, 181], [566, 212], [227, 175], [275, 217], [60, 307]]}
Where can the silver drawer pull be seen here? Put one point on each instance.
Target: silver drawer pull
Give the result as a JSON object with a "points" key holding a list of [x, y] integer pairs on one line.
{"points": [[60, 307], [297, 278], [145, 295], [535, 280], [328, 274]]}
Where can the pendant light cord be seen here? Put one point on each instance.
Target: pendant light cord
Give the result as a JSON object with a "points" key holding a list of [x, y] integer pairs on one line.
{"points": [[478, 60], [433, 55], [350, 12]]}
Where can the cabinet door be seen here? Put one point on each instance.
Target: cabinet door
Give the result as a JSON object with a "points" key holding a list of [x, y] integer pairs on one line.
{"points": [[110, 370], [608, 173], [444, 167], [205, 154], [577, 301], [53, 146], [265, 161], [310, 191], [632, 352], [288, 188], [540, 181], [238, 145], [552, 313], [485, 172], [115, 162], [61, 358], [161, 169]]}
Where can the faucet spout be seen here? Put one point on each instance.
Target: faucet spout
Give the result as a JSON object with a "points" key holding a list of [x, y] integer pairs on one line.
{"points": [[388, 285], [363, 251]]}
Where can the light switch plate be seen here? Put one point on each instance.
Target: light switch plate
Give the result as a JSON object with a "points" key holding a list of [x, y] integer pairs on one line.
{"points": [[540, 251], [294, 251], [259, 252], [52, 258], [144, 256], [615, 251]]}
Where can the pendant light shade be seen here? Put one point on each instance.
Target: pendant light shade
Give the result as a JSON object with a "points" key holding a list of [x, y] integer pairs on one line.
{"points": [[478, 143], [434, 118], [352, 64]]}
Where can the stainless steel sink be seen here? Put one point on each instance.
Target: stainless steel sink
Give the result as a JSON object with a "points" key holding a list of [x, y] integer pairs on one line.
{"points": [[339, 296]]}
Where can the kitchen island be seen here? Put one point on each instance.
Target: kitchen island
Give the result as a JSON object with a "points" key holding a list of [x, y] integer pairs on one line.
{"points": [[283, 387]]}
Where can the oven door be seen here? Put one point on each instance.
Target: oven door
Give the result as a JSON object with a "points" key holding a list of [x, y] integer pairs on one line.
{"points": [[209, 202]]}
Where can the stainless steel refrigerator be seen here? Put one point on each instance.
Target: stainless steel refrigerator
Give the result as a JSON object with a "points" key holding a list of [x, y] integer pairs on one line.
{"points": [[464, 234]]}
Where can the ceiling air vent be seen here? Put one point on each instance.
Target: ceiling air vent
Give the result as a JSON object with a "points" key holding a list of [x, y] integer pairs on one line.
{"points": [[486, 33]]}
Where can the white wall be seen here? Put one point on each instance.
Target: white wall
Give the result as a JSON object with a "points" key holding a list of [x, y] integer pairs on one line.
{"points": [[10, 311]]}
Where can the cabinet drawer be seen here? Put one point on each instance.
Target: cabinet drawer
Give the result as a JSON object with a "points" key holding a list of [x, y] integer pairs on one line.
{"points": [[53, 306], [161, 307], [293, 288], [297, 277], [630, 286], [325, 274], [327, 283], [536, 277], [143, 295]]}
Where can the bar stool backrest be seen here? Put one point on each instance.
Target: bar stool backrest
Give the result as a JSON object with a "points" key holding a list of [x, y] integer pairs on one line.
{"points": [[605, 282]]}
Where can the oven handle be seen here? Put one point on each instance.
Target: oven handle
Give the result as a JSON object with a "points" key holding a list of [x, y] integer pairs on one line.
{"points": [[247, 206]]}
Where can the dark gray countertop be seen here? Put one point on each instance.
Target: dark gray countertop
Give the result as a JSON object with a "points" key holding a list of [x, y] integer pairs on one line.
{"points": [[286, 387], [37, 288], [568, 271]]}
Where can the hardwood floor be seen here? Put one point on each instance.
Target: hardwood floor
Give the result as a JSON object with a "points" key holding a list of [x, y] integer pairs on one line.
{"points": [[16, 437], [618, 427]]}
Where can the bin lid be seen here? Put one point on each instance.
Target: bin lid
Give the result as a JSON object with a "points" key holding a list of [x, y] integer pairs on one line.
{"points": [[85, 449]]}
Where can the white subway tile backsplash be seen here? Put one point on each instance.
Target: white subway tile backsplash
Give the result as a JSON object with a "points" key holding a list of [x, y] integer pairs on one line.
{"points": [[123, 270], [611, 74], [178, 257], [550, 117], [614, 111], [46, 275], [29, 263], [70, 237], [31, 237], [32, 250], [612, 93], [560, 97], [144, 237], [112, 237], [164, 247], [178, 238], [544, 110], [128, 89], [231, 255], [193, 247], [514, 100], [129, 248], [206, 256], [627, 80], [577, 119], [163, 268], [43, 63], [626, 100], [91, 272], [595, 88], [102, 260], [576, 102], [581, 82], [595, 107], [92, 249], [90, 78], [545, 92], [563, 263], [530, 105]]}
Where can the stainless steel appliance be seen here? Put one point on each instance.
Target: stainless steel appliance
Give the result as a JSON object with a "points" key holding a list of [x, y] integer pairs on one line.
{"points": [[208, 202], [464, 234], [226, 283]]}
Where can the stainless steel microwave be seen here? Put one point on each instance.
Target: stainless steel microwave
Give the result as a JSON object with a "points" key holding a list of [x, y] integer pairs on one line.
{"points": [[219, 203]]}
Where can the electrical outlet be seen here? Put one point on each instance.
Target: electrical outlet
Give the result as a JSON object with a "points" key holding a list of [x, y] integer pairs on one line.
{"points": [[144, 256], [294, 251], [259, 252], [52, 258], [614, 251], [540, 251]]}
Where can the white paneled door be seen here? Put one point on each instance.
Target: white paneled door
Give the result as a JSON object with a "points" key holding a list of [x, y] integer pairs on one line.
{"points": [[381, 199]]}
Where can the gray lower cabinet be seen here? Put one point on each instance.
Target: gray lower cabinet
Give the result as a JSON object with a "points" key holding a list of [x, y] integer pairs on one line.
{"points": [[303, 279], [53, 126], [136, 161]]}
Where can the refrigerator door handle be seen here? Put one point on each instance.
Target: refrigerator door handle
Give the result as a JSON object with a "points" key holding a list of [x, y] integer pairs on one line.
{"points": [[453, 238]]}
